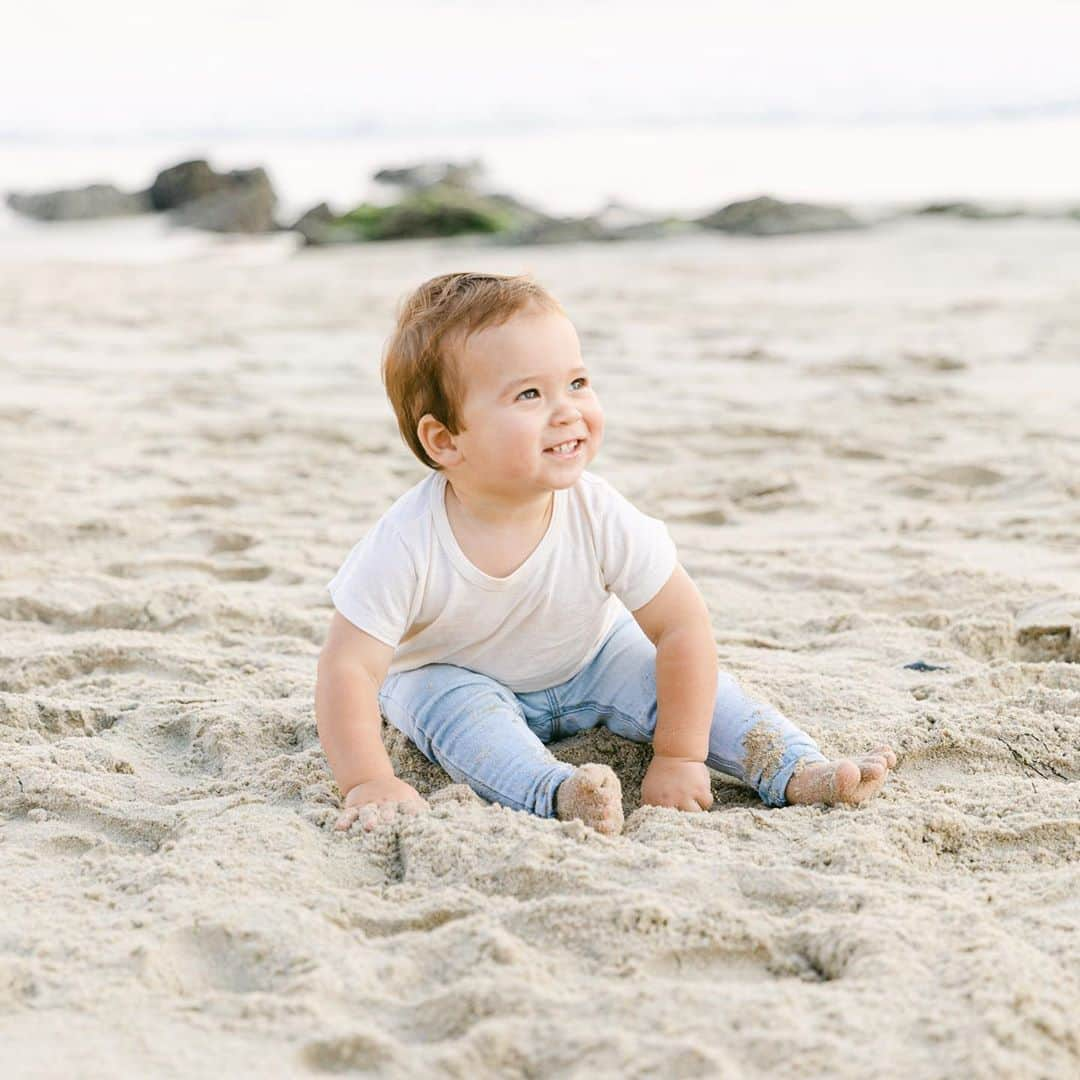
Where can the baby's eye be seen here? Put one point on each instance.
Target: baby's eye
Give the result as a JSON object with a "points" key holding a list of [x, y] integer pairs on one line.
{"points": [[581, 379], [531, 390]]}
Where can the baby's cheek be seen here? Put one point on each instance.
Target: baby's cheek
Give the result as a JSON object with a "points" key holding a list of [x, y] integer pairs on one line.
{"points": [[596, 429]]}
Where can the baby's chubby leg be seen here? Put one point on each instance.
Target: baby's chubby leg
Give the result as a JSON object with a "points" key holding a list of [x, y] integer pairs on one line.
{"points": [[748, 739], [475, 728], [755, 742]]}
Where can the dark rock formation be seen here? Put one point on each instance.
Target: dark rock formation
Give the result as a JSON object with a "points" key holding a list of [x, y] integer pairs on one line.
{"points": [[438, 199], [441, 199], [612, 222], [765, 216], [184, 183], [431, 212], [568, 230], [320, 225], [196, 195], [970, 211], [243, 204], [80, 204]]}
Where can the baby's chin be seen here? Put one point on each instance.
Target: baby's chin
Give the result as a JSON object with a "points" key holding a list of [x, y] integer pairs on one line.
{"points": [[568, 475], [564, 484]]}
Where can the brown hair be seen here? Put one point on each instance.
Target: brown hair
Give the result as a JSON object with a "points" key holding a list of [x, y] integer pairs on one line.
{"points": [[418, 367]]}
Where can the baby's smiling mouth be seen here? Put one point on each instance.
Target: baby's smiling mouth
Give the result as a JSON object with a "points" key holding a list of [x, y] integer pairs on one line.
{"points": [[565, 449]]}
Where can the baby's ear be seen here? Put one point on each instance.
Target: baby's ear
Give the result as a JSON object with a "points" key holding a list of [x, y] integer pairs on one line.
{"points": [[439, 442]]}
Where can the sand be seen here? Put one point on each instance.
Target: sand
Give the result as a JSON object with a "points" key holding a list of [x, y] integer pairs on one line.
{"points": [[867, 449]]}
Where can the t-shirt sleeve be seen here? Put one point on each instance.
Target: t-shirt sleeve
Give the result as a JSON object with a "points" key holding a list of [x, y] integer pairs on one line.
{"points": [[376, 585], [636, 552]]}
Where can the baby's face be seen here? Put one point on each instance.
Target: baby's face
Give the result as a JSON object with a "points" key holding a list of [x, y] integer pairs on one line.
{"points": [[532, 420]]}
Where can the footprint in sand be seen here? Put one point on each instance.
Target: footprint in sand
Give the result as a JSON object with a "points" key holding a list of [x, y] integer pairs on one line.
{"points": [[357, 1052], [209, 958], [149, 568], [942, 483], [52, 720], [197, 499], [98, 663]]}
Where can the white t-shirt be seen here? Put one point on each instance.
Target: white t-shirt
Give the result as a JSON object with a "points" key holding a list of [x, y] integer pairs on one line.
{"points": [[409, 584]]}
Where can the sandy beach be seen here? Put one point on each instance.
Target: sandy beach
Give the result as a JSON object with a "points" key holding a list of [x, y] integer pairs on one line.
{"points": [[867, 448]]}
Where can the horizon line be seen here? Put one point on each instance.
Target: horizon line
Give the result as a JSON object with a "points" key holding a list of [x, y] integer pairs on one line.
{"points": [[528, 122]]}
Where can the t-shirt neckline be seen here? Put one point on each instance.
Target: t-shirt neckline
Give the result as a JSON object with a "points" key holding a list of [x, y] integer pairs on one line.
{"points": [[461, 561]]}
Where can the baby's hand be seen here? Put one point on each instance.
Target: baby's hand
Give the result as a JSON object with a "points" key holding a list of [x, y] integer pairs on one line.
{"points": [[678, 783], [379, 801]]}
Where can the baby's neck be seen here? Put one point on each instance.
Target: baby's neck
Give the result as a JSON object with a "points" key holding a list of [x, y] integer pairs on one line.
{"points": [[482, 509]]}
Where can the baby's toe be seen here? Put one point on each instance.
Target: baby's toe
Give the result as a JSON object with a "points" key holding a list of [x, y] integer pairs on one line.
{"points": [[885, 755], [846, 779], [873, 768]]}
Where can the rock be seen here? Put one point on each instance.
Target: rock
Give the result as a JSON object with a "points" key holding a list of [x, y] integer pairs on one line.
{"points": [[629, 221], [433, 212], [560, 231], [611, 222], [320, 225], [239, 201], [184, 183], [969, 211], [242, 200], [80, 204], [440, 199], [244, 204], [437, 211], [433, 174], [589, 230], [765, 216], [320, 214], [522, 213]]}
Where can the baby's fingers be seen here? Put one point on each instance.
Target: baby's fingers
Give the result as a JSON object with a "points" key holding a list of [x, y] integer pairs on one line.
{"points": [[381, 814], [371, 816]]}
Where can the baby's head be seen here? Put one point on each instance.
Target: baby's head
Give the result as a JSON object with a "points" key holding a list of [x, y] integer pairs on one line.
{"points": [[485, 375]]}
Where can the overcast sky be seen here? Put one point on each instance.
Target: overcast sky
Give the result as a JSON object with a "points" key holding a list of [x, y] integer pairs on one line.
{"points": [[122, 66]]}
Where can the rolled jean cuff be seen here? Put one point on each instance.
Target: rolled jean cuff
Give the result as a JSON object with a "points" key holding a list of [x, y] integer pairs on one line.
{"points": [[772, 790], [548, 790]]}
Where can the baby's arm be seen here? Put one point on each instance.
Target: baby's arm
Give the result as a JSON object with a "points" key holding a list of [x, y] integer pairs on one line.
{"points": [[677, 622], [352, 667]]}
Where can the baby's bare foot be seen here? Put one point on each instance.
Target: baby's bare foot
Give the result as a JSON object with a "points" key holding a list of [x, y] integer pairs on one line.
{"points": [[846, 781], [594, 795]]}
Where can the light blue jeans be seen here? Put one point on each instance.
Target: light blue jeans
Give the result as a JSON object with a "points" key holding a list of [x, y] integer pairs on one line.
{"points": [[493, 739]]}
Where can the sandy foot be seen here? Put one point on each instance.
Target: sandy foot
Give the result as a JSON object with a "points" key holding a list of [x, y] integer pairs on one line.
{"points": [[844, 781], [594, 795]]}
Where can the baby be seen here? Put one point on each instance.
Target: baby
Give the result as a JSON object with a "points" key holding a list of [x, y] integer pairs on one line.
{"points": [[511, 598]]}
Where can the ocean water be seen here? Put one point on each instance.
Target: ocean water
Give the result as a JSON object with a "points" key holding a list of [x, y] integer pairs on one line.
{"points": [[660, 168]]}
